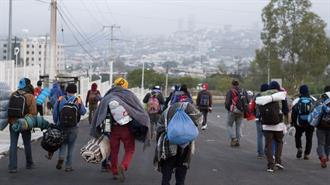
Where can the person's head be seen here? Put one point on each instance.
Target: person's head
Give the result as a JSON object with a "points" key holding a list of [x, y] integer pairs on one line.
{"points": [[94, 87], [25, 85], [184, 88], [121, 82], [303, 90], [205, 86], [71, 88], [327, 88], [275, 85], [235, 83], [176, 87], [264, 87], [39, 83]]}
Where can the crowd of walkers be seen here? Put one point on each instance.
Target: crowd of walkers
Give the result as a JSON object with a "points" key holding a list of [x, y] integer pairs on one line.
{"points": [[170, 122]]}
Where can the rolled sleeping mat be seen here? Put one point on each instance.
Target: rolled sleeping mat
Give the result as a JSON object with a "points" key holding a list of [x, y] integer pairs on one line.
{"points": [[5, 91], [3, 123], [20, 125], [4, 105], [41, 123], [41, 99]]}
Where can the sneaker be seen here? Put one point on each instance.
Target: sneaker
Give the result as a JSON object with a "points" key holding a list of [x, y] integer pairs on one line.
{"points": [[260, 156], [59, 164], [279, 166], [115, 177], [306, 157], [299, 153], [68, 169], [12, 171], [121, 174], [234, 142], [237, 144], [30, 166], [270, 170], [204, 127], [323, 161]]}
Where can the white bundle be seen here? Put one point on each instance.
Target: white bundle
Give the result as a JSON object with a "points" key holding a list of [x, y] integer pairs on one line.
{"points": [[119, 113], [263, 100], [96, 150]]}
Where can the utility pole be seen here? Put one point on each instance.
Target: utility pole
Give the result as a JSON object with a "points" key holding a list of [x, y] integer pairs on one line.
{"points": [[112, 51], [268, 67], [10, 30], [53, 45], [166, 80]]}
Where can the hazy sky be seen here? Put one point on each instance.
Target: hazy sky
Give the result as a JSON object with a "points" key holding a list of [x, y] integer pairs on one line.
{"points": [[140, 16]]}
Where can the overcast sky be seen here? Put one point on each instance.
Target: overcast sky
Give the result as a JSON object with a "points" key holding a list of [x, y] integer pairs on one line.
{"points": [[140, 16]]}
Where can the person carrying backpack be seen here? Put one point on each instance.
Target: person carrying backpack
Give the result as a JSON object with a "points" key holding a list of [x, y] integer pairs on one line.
{"points": [[273, 126], [204, 103], [155, 102], [93, 97], [323, 129], [21, 103], [67, 112], [37, 92], [300, 112], [168, 156], [183, 95], [236, 104], [55, 93]]}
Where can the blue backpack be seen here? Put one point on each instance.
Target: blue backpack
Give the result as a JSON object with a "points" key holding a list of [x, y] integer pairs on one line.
{"points": [[181, 129], [304, 106]]}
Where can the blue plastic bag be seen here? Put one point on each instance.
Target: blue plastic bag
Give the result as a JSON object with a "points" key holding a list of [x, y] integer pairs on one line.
{"points": [[315, 116], [181, 129]]}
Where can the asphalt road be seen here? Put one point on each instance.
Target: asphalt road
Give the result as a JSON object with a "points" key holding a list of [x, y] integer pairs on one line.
{"points": [[215, 163]]}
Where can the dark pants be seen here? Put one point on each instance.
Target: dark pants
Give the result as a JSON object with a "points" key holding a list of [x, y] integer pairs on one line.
{"points": [[309, 130], [40, 110], [277, 136], [92, 108], [175, 162], [204, 112]]}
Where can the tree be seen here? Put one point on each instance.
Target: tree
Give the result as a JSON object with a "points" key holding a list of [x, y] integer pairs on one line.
{"points": [[295, 43]]}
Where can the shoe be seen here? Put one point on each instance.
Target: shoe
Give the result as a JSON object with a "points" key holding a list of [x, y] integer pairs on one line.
{"points": [[12, 171], [299, 153], [115, 177], [121, 174], [49, 156], [270, 170], [260, 156], [237, 144], [233, 142], [68, 169], [31, 166], [59, 164], [323, 161], [279, 166], [306, 157], [204, 127]]}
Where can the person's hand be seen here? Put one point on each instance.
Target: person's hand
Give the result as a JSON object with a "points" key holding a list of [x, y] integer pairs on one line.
{"points": [[210, 109]]}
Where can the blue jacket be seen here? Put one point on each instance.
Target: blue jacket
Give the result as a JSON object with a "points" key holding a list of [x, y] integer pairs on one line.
{"points": [[56, 112]]}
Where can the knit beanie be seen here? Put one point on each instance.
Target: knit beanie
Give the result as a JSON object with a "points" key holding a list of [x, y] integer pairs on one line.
{"points": [[264, 87], [71, 88], [303, 90], [327, 88], [274, 85]]}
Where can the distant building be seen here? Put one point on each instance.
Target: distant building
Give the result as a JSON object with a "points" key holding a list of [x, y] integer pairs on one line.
{"points": [[34, 51]]}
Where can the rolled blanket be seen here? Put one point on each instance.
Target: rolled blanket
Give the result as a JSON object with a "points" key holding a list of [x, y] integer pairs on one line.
{"points": [[29, 122], [43, 96], [5, 94], [263, 100], [4, 105]]}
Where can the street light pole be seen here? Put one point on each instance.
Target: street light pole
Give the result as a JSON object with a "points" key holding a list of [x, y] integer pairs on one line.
{"points": [[142, 80], [10, 30]]}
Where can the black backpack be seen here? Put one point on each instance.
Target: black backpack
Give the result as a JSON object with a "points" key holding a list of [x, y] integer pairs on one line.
{"points": [[304, 108], [204, 99], [69, 114], [17, 107], [270, 113], [242, 100], [325, 118]]}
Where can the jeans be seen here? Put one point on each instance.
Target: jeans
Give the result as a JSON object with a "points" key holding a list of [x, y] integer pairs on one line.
{"points": [[175, 162], [121, 133], [323, 142], [260, 139], [309, 130], [231, 118], [26, 136], [69, 142], [204, 112], [272, 136]]}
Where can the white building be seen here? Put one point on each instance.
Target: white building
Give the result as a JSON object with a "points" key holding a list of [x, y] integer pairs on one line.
{"points": [[35, 51]]}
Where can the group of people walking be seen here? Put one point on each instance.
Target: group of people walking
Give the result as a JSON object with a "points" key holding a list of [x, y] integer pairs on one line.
{"points": [[129, 121], [271, 110]]}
